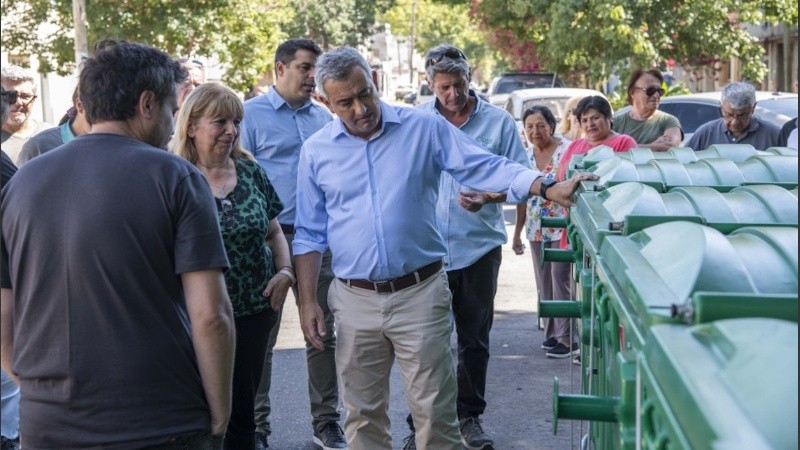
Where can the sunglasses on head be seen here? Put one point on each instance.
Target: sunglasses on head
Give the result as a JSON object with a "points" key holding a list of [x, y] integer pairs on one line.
{"points": [[190, 61], [10, 96], [652, 90], [451, 53]]}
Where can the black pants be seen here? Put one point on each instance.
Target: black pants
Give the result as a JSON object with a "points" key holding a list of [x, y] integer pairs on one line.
{"points": [[252, 333], [473, 290]]}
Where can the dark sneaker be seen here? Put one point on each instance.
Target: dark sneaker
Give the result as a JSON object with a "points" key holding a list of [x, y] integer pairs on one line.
{"points": [[549, 343], [330, 437], [561, 351], [472, 435], [577, 360], [410, 442], [261, 441]]}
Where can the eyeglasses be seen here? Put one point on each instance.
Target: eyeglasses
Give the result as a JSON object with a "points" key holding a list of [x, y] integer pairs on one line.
{"points": [[10, 96], [452, 53], [741, 117], [226, 213], [649, 91]]}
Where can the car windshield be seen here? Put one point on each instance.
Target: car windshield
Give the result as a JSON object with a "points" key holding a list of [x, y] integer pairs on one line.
{"points": [[556, 105], [514, 82], [786, 107]]}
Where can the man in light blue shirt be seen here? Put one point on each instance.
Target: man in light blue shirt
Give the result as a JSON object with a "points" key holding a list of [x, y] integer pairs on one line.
{"points": [[473, 238], [274, 127], [367, 187]]}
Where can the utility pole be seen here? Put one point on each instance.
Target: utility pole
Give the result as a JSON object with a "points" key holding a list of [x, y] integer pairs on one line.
{"points": [[787, 59], [412, 40], [79, 22]]}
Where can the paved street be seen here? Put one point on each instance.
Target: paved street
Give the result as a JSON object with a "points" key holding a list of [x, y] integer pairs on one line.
{"points": [[520, 381]]}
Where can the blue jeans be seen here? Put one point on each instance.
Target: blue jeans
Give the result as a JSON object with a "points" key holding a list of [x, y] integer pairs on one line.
{"points": [[9, 404]]}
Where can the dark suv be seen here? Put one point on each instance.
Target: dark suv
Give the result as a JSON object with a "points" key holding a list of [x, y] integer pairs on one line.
{"points": [[512, 81]]}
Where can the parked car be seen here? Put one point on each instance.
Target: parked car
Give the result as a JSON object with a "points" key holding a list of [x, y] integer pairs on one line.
{"points": [[402, 90], [424, 94], [553, 98], [509, 82], [693, 110], [410, 98]]}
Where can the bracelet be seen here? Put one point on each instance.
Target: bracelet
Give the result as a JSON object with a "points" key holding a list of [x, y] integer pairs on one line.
{"points": [[289, 268], [289, 274]]}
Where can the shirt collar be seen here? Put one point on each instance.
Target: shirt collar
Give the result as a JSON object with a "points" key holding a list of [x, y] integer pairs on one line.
{"points": [[277, 101], [66, 132]]}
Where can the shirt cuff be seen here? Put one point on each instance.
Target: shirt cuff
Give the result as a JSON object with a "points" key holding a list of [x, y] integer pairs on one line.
{"points": [[520, 189]]}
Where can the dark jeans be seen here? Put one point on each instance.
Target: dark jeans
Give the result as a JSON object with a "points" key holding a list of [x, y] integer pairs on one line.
{"points": [[252, 333], [198, 441]]}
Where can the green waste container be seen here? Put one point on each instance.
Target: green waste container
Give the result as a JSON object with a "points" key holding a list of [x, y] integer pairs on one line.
{"points": [[729, 384], [664, 174], [684, 155], [632, 206], [644, 279], [649, 272]]}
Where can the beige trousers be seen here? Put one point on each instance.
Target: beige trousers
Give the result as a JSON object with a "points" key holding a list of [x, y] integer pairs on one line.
{"points": [[412, 326]]}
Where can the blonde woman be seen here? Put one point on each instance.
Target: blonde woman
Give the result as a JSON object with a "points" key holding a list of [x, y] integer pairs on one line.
{"points": [[207, 135], [570, 128]]}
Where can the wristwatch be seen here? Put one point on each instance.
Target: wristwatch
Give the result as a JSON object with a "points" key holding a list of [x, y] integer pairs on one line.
{"points": [[546, 183]]}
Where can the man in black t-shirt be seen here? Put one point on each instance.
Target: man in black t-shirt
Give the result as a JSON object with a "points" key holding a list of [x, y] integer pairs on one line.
{"points": [[115, 318]]}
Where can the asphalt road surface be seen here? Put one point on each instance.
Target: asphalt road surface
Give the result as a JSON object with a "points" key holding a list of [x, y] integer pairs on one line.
{"points": [[519, 387]]}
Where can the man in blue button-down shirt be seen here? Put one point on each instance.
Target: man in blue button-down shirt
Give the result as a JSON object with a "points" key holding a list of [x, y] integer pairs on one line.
{"points": [[367, 186], [275, 125], [473, 239]]}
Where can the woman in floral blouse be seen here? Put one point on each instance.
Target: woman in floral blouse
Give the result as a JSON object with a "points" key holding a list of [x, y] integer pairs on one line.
{"points": [[552, 278]]}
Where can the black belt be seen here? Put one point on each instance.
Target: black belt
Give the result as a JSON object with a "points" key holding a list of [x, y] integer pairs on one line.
{"points": [[396, 284], [287, 229]]}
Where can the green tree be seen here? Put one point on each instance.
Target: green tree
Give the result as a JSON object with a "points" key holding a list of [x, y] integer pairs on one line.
{"points": [[596, 37], [243, 34], [438, 23], [331, 23]]}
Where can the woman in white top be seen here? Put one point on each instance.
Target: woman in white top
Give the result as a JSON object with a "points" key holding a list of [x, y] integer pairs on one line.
{"points": [[552, 278]]}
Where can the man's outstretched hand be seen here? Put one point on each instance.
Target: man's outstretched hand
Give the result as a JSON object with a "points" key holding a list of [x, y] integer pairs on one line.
{"points": [[562, 192]]}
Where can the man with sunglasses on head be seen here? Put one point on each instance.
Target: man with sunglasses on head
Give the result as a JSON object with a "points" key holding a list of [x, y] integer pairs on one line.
{"points": [[19, 126], [645, 123], [473, 229], [737, 125]]}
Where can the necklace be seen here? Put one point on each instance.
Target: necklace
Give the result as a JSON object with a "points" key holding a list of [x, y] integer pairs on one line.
{"points": [[221, 189]]}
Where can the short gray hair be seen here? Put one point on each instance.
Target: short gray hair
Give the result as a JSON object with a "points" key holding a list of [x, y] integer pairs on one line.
{"points": [[446, 65], [337, 65], [15, 75], [739, 94]]}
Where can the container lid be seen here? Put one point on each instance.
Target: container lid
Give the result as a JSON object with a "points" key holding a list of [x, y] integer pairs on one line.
{"points": [[665, 264], [731, 384]]}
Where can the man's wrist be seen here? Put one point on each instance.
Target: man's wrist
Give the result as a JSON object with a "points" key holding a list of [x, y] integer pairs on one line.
{"points": [[545, 184]]}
